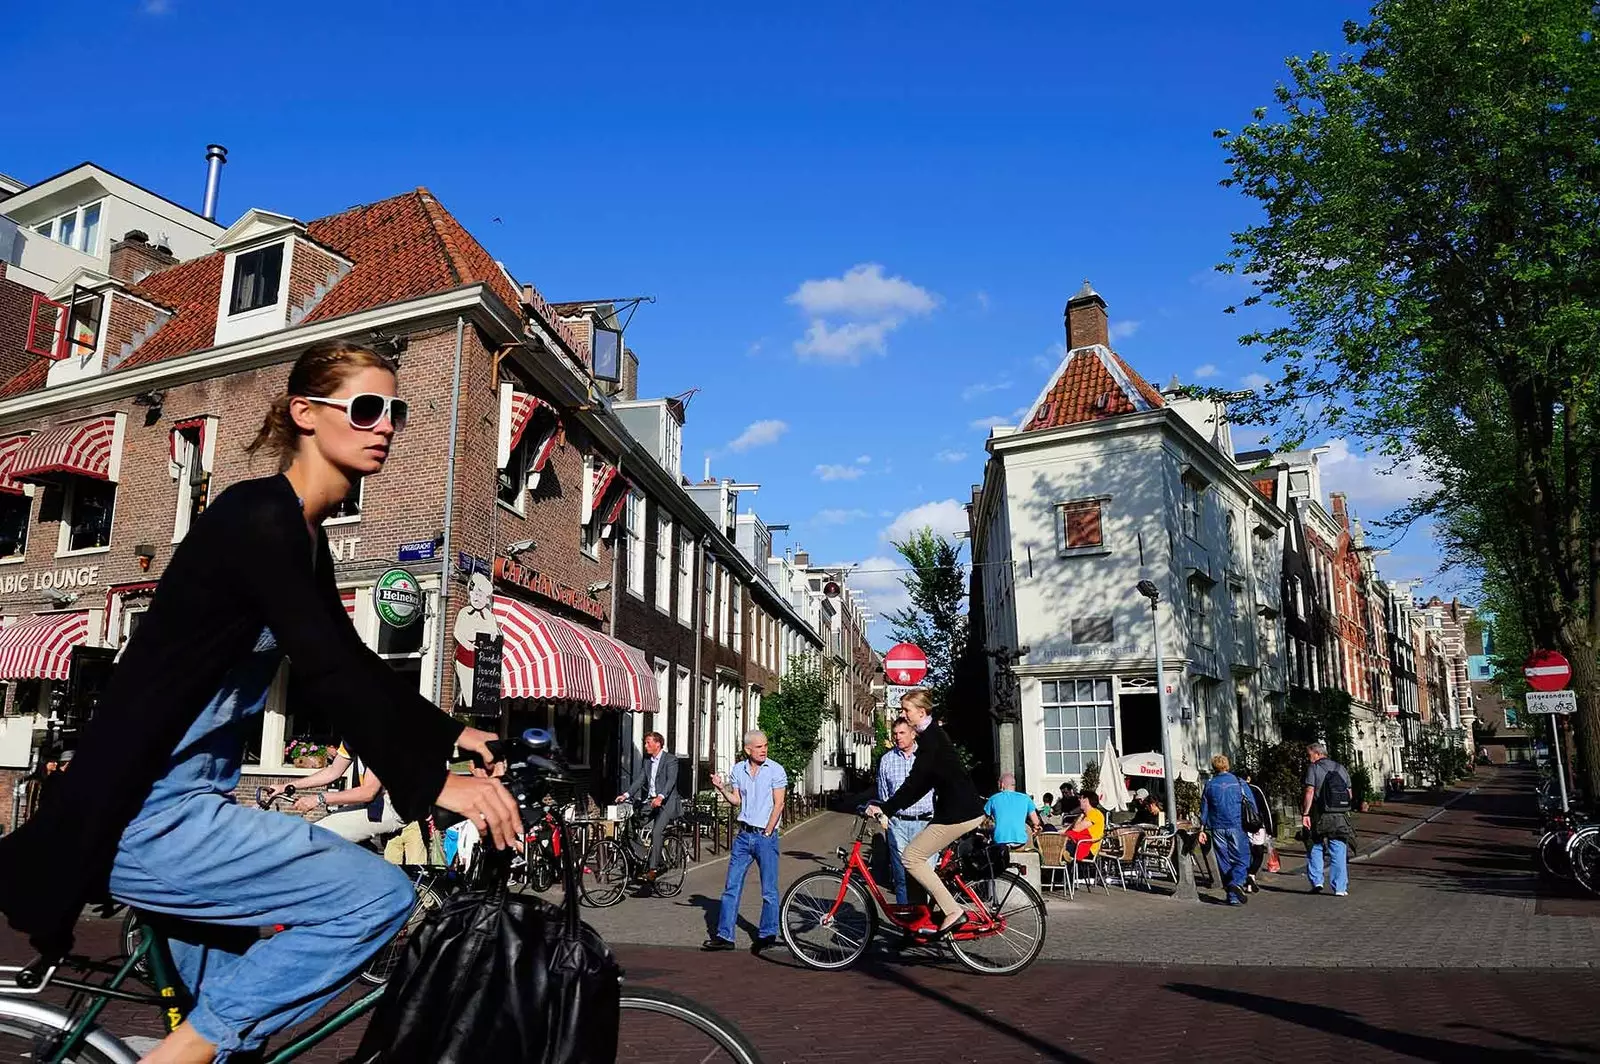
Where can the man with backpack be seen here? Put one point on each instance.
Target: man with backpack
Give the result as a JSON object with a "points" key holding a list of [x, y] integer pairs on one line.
{"points": [[1325, 815]]}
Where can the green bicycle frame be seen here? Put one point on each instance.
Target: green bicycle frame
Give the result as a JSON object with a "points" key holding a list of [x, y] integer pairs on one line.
{"points": [[174, 1002]]}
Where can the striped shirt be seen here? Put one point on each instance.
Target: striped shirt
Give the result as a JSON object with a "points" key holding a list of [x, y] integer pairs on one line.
{"points": [[893, 768]]}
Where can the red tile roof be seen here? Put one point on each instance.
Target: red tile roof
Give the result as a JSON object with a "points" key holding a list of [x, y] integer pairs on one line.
{"points": [[1268, 486], [400, 248], [1088, 388], [30, 379]]}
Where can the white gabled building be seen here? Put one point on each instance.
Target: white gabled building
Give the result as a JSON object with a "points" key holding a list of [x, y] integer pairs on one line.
{"points": [[1108, 481]]}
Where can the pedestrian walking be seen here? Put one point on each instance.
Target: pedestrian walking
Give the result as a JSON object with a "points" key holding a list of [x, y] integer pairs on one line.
{"points": [[1325, 816], [1261, 838], [756, 787], [893, 768], [1228, 813]]}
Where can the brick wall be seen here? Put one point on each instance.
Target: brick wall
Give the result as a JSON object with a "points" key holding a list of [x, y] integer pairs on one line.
{"points": [[134, 260], [128, 323], [310, 276], [16, 306]]}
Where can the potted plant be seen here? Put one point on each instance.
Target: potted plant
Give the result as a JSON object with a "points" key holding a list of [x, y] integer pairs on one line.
{"points": [[302, 753]]}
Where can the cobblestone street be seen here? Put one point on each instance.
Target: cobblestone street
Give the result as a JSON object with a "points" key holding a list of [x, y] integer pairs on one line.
{"points": [[1276, 980]]}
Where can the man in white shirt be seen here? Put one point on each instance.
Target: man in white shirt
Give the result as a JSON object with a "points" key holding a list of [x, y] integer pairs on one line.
{"points": [[656, 788]]}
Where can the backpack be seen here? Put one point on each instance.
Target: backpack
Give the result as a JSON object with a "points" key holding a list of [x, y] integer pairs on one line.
{"points": [[1249, 815], [1335, 792]]}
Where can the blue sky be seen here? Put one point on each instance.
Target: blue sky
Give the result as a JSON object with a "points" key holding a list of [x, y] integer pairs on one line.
{"points": [[860, 222]]}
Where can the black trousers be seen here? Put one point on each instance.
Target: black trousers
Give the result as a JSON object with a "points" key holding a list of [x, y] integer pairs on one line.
{"points": [[1257, 855]]}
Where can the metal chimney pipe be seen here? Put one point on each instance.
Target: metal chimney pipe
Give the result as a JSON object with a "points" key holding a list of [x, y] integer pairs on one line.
{"points": [[216, 156]]}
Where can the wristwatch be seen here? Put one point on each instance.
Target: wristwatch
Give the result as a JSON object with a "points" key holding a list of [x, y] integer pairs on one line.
{"points": [[322, 799]]}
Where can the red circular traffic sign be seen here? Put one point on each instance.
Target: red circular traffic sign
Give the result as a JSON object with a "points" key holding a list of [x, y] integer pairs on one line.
{"points": [[1547, 670], [905, 665]]}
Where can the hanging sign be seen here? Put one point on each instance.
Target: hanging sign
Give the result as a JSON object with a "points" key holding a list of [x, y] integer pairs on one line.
{"points": [[397, 597]]}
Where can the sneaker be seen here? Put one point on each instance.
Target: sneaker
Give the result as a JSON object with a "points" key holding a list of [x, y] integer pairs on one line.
{"points": [[1341, 894], [716, 944], [1317, 889]]}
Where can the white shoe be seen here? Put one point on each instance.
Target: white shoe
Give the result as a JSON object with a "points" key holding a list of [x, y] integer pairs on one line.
{"points": [[1341, 894]]}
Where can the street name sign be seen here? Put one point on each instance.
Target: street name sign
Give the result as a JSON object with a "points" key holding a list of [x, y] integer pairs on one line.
{"points": [[1552, 702], [1547, 670]]}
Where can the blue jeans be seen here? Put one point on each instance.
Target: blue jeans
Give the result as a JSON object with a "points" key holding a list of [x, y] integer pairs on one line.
{"points": [[1232, 849], [1340, 870], [900, 834], [192, 852], [763, 849]]}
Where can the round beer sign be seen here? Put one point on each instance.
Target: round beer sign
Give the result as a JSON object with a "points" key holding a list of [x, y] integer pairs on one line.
{"points": [[398, 598]]}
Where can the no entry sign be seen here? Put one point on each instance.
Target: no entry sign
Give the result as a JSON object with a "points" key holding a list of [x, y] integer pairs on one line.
{"points": [[905, 664], [1547, 670]]}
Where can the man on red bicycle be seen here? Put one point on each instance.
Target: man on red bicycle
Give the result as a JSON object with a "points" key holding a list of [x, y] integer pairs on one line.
{"points": [[957, 809]]}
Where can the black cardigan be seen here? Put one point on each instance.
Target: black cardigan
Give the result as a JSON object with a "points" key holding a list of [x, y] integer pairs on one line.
{"points": [[247, 563], [938, 768]]}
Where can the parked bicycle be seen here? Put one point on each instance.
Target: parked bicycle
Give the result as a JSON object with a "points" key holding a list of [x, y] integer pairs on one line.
{"points": [[828, 918], [609, 865], [35, 1031]]}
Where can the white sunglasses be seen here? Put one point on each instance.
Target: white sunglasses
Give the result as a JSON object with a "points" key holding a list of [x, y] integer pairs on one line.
{"points": [[367, 410]]}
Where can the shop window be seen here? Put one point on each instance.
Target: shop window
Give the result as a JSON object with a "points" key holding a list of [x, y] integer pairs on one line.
{"points": [[1077, 723], [256, 279], [15, 512], [31, 697], [193, 481], [350, 509], [88, 507]]}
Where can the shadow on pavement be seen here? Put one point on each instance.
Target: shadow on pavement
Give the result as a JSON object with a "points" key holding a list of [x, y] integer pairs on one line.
{"points": [[1342, 1024], [1542, 1043], [711, 908]]}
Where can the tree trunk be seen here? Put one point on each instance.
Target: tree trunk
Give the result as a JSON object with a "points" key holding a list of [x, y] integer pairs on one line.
{"points": [[1584, 657]]}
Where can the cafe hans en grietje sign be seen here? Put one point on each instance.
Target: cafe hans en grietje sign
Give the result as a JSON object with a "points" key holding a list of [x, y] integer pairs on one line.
{"points": [[64, 579]]}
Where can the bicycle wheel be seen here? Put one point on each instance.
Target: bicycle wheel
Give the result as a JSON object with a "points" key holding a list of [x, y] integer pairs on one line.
{"points": [[1583, 856], [541, 874], [382, 964], [130, 942], [30, 1032], [660, 1027], [605, 874], [826, 920], [674, 866], [1553, 860], [1013, 933]]}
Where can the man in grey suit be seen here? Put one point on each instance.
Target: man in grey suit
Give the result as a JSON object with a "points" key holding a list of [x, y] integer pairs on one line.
{"points": [[656, 789]]}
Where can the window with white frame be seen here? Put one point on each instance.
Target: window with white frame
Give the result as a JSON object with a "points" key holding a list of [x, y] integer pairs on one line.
{"points": [[680, 736], [349, 509], [635, 522], [663, 689], [1077, 723], [1239, 614], [724, 597], [1193, 506], [511, 483], [87, 510], [664, 538], [1080, 526], [736, 604], [257, 277], [703, 716], [685, 579], [1201, 621], [709, 613], [78, 228], [192, 480]]}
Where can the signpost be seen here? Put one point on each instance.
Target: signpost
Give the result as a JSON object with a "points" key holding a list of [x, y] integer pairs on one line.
{"points": [[905, 664], [1548, 672]]}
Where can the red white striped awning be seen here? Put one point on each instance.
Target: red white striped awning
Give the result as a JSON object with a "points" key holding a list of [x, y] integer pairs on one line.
{"points": [[523, 407], [348, 597], [550, 657], [82, 448], [616, 507], [10, 448], [40, 647]]}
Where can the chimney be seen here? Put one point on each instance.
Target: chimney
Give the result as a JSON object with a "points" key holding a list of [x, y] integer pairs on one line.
{"points": [[802, 559], [1086, 319], [1339, 514], [630, 375], [133, 258], [216, 158]]}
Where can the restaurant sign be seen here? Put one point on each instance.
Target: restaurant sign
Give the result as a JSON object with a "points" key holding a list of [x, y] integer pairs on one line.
{"points": [[536, 583], [50, 579]]}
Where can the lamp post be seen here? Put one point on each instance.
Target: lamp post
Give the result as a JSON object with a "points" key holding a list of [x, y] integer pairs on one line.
{"points": [[1185, 888]]}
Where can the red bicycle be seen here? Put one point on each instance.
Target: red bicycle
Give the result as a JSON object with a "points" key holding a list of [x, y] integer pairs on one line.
{"points": [[828, 917]]}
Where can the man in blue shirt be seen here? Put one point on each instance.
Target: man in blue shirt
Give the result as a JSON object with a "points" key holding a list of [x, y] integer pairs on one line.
{"points": [[1222, 806], [1012, 812], [893, 768], [756, 787]]}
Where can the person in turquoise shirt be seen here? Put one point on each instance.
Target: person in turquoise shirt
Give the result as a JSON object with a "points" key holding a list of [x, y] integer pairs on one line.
{"points": [[1012, 812]]}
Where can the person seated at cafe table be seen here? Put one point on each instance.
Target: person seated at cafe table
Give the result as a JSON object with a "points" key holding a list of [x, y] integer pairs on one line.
{"points": [[1013, 814], [1067, 801], [1147, 811], [1091, 823]]}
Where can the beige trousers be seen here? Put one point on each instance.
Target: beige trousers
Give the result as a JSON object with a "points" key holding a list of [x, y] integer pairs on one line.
{"points": [[932, 840]]}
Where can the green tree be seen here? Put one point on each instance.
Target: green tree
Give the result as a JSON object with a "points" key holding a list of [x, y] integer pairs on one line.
{"points": [[1430, 239], [936, 620], [792, 716]]}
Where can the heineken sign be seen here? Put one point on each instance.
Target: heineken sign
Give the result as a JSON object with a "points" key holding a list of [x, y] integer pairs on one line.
{"points": [[398, 598]]}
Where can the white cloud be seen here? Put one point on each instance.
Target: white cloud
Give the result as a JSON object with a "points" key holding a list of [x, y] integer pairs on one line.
{"points": [[983, 301], [879, 582], [839, 472], [1121, 330], [1206, 371], [946, 517], [758, 434], [754, 348], [863, 292], [838, 517], [853, 315], [950, 456], [972, 391], [984, 424], [1051, 358], [1373, 484], [1255, 381], [156, 7], [864, 459]]}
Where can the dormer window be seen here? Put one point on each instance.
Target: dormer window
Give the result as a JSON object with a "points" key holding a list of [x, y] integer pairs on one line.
{"points": [[257, 276], [78, 228]]}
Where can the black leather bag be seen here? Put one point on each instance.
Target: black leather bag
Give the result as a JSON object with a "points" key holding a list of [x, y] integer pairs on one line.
{"points": [[498, 977]]}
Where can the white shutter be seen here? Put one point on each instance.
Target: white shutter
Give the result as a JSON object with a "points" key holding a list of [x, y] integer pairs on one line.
{"points": [[502, 445]]}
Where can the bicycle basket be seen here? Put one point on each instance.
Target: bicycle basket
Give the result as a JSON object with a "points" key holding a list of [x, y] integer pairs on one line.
{"points": [[978, 858]]}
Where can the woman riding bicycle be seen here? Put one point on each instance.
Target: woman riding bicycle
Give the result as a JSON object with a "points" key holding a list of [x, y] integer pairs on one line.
{"points": [[957, 809], [148, 810]]}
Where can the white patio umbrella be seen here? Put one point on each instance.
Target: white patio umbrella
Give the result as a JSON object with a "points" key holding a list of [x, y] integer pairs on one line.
{"points": [[1149, 764], [1113, 791]]}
